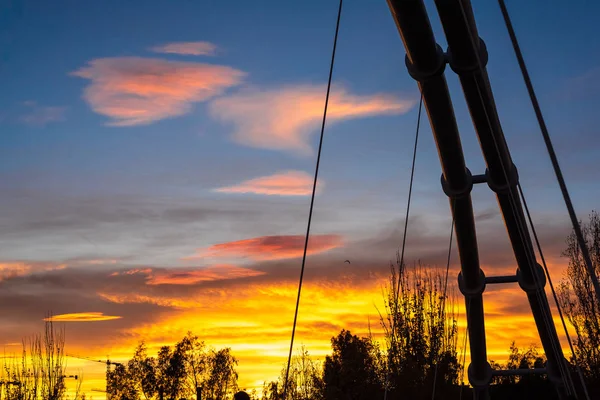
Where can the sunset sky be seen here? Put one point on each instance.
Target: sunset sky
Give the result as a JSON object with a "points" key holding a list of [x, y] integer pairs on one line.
{"points": [[157, 157]]}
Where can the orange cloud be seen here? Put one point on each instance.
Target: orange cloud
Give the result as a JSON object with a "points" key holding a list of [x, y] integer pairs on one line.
{"points": [[272, 247], [190, 277], [139, 91], [83, 317], [285, 118], [288, 183], [187, 48]]}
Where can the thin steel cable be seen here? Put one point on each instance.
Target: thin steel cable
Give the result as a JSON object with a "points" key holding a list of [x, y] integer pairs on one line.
{"points": [[312, 199], [550, 147], [435, 373], [562, 319], [410, 186], [531, 258]]}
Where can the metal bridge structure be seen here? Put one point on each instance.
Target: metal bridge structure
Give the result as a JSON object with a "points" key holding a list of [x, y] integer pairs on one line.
{"points": [[467, 56]]}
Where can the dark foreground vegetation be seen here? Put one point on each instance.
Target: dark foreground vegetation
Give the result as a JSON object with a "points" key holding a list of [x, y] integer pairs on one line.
{"points": [[421, 355]]}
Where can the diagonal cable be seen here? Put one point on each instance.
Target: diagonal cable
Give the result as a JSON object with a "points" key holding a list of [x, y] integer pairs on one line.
{"points": [[410, 186], [520, 227], [312, 199], [562, 184], [562, 319], [559, 176]]}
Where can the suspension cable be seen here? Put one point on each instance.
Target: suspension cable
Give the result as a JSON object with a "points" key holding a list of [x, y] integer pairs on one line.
{"points": [[521, 229], [557, 170], [560, 313], [410, 186], [312, 199], [435, 374]]}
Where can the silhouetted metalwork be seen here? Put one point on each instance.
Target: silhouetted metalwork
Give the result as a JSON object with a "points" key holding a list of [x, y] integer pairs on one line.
{"points": [[467, 56]]}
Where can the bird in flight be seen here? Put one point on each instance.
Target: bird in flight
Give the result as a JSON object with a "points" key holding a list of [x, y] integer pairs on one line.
{"points": [[348, 261]]}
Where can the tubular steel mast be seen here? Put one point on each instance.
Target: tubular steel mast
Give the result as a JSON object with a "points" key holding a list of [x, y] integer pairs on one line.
{"points": [[467, 56]]}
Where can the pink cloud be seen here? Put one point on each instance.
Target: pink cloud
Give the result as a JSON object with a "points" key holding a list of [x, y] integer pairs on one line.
{"points": [[139, 91], [288, 183], [271, 247], [285, 118], [187, 48]]}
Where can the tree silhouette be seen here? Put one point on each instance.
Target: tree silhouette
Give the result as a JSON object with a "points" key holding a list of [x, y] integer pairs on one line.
{"points": [[142, 369], [175, 373], [270, 391], [222, 378], [120, 384], [351, 372], [579, 302], [420, 328], [521, 359], [39, 374], [522, 387], [304, 380], [196, 362], [170, 372]]}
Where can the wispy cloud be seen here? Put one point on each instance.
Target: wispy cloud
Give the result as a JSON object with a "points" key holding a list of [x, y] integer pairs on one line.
{"points": [[10, 269], [187, 48], [42, 115], [271, 247], [194, 276], [190, 276], [13, 269], [135, 271], [83, 317], [139, 91], [285, 118], [287, 183], [80, 261]]}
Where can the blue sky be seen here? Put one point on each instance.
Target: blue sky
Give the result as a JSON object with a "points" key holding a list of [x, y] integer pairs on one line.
{"points": [[142, 193]]}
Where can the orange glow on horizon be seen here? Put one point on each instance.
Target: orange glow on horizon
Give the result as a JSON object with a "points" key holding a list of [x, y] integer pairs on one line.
{"points": [[255, 319]]}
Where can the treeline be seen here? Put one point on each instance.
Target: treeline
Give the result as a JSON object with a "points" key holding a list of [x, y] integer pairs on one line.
{"points": [[421, 347], [187, 370]]}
